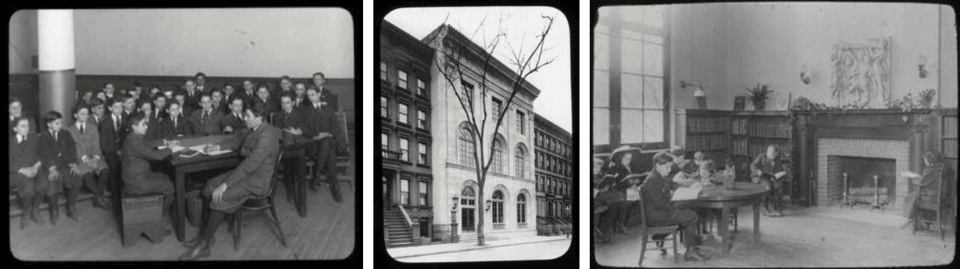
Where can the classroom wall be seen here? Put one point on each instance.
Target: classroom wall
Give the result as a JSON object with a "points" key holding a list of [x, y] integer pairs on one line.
{"points": [[23, 42]]}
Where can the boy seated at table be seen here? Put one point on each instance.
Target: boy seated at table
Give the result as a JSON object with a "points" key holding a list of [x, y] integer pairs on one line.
{"points": [[661, 211]]}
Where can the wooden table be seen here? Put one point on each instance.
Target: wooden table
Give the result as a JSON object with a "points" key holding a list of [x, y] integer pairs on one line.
{"points": [[718, 197], [202, 162]]}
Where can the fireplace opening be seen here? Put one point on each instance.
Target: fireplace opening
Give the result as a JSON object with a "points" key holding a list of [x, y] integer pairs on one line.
{"points": [[862, 180]]}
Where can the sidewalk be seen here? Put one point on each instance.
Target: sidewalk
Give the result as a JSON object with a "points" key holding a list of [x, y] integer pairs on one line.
{"points": [[439, 248]]}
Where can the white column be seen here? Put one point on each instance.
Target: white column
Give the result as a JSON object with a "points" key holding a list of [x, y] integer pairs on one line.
{"points": [[56, 62]]}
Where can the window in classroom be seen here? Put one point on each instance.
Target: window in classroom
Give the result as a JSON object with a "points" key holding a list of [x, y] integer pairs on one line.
{"points": [[495, 110], [630, 48], [521, 208], [497, 164]]}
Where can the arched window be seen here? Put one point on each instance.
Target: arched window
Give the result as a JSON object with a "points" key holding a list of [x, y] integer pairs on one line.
{"points": [[497, 164], [468, 197], [466, 148], [521, 208], [497, 207], [521, 161]]}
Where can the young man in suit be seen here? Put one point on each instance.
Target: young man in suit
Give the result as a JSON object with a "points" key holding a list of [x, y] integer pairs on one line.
{"points": [[288, 119], [260, 148], [109, 92], [191, 96], [159, 108], [326, 96], [228, 94], [176, 124], [24, 166], [285, 86], [92, 167], [137, 176], [153, 125], [201, 80], [129, 105], [217, 101], [233, 122], [264, 102], [300, 89], [58, 152], [661, 212], [16, 111], [249, 92], [113, 129], [96, 113], [770, 169], [206, 121], [321, 125], [180, 97]]}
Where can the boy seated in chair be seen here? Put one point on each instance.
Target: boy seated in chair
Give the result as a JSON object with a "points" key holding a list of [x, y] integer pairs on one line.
{"points": [[657, 192]]}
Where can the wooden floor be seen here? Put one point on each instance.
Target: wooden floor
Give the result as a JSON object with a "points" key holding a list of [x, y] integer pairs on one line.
{"points": [[327, 232], [805, 237]]}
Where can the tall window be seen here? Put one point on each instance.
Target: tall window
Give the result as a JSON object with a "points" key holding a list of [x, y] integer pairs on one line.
{"points": [[402, 76], [383, 107], [521, 122], [466, 147], [383, 71], [521, 208], [421, 87], [384, 141], [466, 93], [402, 113], [497, 207], [630, 48], [405, 191], [497, 164], [422, 152], [421, 119], [404, 149], [497, 105], [468, 197], [424, 191], [521, 161]]}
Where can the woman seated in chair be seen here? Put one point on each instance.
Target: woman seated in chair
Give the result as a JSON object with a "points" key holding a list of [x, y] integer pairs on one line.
{"points": [[932, 174], [623, 164], [260, 147]]}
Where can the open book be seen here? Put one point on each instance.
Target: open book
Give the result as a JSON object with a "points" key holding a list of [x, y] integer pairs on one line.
{"points": [[200, 149], [687, 193]]}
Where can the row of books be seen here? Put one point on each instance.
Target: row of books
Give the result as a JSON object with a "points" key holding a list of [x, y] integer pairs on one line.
{"points": [[707, 124], [707, 142], [740, 147], [739, 126], [769, 127]]}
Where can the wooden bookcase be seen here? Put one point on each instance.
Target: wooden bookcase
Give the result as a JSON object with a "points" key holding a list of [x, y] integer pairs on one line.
{"points": [[704, 130], [949, 137]]}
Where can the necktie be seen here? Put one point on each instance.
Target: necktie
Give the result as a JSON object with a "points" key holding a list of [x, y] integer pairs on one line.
{"points": [[174, 122], [203, 117], [116, 123], [81, 128]]}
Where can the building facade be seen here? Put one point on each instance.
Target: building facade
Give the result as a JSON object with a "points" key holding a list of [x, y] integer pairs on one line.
{"points": [[509, 192], [405, 131], [554, 161]]}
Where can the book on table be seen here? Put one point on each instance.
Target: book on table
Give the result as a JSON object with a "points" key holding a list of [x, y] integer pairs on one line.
{"points": [[687, 193]]}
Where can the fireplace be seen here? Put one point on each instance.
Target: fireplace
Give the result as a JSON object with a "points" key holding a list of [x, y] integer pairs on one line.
{"points": [[864, 180], [861, 160]]}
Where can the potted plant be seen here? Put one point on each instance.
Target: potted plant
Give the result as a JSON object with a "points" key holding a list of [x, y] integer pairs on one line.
{"points": [[758, 95]]}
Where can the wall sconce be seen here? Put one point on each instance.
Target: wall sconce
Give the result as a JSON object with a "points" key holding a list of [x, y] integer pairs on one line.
{"points": [[805, 75], [698, 95], [921, 64], [456, 201], [488, 205]]}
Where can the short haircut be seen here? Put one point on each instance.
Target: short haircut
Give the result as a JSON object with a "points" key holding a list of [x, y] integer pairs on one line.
{"points": [[14, 99], [113, 101], [313, 88], [689, 167], [299, 82], [227, 84], [256, 111], [77, 108], [207, 95], [292, 96], [774, 147], [136, 118], [662, 158], [95, 102], [235, 98], [246, 80], [142, 102], [180, 93], [319, 73], [262, 86], [215, 90], [51, 116], [158, 96], [172, 104], [128, 97], [108, 83], [17, 120], [136, 84], [284, 77], [189, 80], [200, 74]]}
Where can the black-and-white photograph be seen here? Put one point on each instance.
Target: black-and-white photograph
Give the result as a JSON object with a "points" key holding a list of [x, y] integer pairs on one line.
{"points": [[475, 130], [152, 129], [831, 128]]}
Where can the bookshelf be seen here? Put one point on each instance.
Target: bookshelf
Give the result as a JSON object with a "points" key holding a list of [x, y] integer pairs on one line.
{"points": [[706, 131], [949, 138]]}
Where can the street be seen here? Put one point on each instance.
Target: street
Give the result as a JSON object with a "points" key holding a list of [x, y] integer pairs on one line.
{"points": [[528, 251]]}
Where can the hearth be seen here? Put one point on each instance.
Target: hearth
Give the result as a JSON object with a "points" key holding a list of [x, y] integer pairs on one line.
{"points": [[869, 181]]}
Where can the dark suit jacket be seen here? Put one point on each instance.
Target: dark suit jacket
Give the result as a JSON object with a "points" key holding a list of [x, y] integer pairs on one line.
{"points": [[192, 102], [656, 197], [221, 106], [183, 127], [22, 154], [58, 152], [767, 166], [136, 161], [33, 125], [158, 116], [233, 122], [154, 129], [283, 121], [210, 127], [247, 98], [269, 106], [329, 99], [260, 148], [110, 139]]}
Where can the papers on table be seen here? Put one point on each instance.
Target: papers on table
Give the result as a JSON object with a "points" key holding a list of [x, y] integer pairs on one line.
{"points": [[687, 193], [909, 174], [214, 153], [780, 174]]}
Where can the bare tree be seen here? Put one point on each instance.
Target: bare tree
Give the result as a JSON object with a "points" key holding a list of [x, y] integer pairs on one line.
{"points": [[454, 57]]}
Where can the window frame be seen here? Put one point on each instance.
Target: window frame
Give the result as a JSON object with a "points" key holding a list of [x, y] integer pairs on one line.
{"points": [[403, 113], [404, 194], [423, 156], [404, 147], [422, 122], [521, 122], [615, 24], [423, 192], [403, 79], [383, 71]]}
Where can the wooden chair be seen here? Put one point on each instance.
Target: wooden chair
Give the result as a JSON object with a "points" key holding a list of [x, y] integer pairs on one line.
{"points": [[646, 230], [260, 204], [931, 198]]}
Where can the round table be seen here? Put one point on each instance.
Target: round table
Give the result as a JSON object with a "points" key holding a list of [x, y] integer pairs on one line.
{"points": [[719, 197]]}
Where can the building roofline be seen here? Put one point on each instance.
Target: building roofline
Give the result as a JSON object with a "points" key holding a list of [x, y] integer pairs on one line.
{"points": [[544, 123], [423, 51]]}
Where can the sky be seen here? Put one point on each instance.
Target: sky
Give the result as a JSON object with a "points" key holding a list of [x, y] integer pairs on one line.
{"points": [[553, 80]]}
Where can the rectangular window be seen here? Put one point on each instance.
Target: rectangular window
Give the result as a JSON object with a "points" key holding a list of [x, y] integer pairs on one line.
{"points": [[383, 107], [521, 121], [405, 191], [383, 71], [421, 119], [402, 113], [424, 190], [631, 45], [402, 83], [404, 149], [421, 87], [466, 93], [423, 153], [497, 106], [384, 141]]}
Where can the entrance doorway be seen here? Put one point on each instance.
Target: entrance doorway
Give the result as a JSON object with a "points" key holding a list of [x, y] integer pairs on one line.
{"points": [[468, 206]]}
